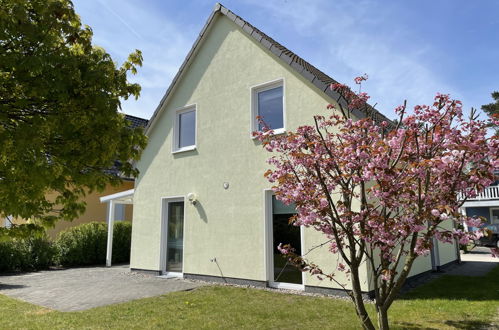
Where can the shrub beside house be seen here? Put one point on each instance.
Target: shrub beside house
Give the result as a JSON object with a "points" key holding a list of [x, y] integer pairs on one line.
{"points": [[82, 245]]}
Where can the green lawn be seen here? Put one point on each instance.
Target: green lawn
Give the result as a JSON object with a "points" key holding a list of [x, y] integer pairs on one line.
{"points": [[450, 302]]}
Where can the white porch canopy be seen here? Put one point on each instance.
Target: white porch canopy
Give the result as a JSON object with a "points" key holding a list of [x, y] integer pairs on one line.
{"points": [[123, 197]]}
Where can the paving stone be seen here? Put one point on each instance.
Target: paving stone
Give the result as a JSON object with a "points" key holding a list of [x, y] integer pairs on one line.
{"points": [[478, 262], [78, 289]]}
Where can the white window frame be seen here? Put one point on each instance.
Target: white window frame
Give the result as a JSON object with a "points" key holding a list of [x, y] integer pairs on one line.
{"points": [[165, 201], [254, 104], [268, 249], [176, 130]]}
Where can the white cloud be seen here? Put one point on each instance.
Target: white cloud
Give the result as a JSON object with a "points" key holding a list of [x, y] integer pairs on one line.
{"points": [[353, 39], [123, 26], [343, 38]]}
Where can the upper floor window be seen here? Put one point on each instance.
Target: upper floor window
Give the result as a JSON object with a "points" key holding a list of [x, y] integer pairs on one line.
{"points": [[185, 129], [268, 104]]}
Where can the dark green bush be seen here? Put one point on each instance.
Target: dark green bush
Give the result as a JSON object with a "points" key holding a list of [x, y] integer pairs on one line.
{"points": [[86, 244], [34, 253], [77, 246], [41, 253], [122, 241], [11, 256]]}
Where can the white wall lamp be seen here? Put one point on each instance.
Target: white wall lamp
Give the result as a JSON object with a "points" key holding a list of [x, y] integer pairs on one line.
{"points": [[192, 198]]}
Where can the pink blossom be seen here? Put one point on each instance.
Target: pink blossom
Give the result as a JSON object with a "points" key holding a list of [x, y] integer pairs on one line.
{"points": [[388, 186], [284, 249], [447, 159], [359, 79], [473, 221]]}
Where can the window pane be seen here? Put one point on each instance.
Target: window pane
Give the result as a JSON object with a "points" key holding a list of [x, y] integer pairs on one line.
{"points": [[187, 129], [495, 216], [279, 207], [270, 108], [285, 233], [175, 238]]}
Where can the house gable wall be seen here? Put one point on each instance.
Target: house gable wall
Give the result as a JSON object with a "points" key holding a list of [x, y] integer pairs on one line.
{"points": [[226, 224]]}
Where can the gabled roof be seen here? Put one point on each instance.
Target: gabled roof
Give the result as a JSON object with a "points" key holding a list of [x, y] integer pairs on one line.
{"points": [[136, 121], [318, 78]]}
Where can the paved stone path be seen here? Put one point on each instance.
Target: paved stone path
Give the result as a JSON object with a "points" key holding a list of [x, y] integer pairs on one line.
{"points": [[83, 288], [477, 262]]}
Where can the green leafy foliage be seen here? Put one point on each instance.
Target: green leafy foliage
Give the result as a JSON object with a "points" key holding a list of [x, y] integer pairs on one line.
{"points": [[26, 254], [86, 244], [492, 109], [82, 245], [77, 246], [122, 241], [60, 126]]}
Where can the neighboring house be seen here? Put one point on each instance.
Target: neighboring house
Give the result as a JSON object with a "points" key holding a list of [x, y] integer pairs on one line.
{"points": [[485, 204], [95, 210], [202, 208]]}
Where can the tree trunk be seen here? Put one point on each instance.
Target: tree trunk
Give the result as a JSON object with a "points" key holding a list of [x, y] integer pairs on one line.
{"points": [[360, 308], [383, 319]]}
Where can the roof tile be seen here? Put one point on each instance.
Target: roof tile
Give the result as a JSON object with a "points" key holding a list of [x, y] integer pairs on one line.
{"points": [[248, 28], [276, 50], [231, 15], [239, 21], [265, 42], [307, 75], [257, 35], [136, 121]]}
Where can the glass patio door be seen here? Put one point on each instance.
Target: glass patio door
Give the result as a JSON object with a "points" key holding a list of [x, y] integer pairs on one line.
{"points": [[284, 233], [175, 237]]}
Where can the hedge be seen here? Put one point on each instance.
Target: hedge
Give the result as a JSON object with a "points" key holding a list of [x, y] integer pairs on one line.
{"points": [[86, 244], [29, 254], [82, 245]]}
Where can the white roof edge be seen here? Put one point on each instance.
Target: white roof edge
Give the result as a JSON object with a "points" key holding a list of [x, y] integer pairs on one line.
{"points": [[119, 195]]}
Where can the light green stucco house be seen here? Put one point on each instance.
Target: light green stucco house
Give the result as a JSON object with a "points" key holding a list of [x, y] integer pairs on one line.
{"points": [[202, 208]]}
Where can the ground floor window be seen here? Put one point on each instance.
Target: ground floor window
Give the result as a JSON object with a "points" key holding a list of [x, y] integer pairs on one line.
{"points": [[494, 215]]}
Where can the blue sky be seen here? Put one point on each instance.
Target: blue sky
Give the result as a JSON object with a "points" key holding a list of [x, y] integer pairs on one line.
{"points": [[410, 49]]}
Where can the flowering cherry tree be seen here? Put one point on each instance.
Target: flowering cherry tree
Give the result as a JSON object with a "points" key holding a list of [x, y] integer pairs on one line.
{"points": [[380, 192]]}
